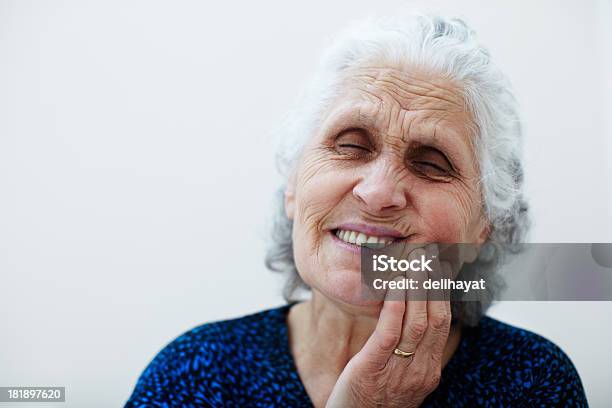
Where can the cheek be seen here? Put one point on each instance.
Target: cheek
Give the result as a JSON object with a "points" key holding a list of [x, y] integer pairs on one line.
{"points": [[318, 193], [319, 190], [445, 216]]}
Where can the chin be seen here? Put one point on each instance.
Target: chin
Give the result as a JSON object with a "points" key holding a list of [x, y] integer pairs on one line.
{"points": [[344, 287]]}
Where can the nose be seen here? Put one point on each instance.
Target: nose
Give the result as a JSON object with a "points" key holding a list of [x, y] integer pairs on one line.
{"points": [[381, 189]]}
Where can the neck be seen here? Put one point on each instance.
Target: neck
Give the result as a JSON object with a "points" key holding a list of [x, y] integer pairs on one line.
{"points": [[323, 328]]}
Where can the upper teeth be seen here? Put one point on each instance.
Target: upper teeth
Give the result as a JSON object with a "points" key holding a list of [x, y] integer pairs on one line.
{"points": [[358, 238]]}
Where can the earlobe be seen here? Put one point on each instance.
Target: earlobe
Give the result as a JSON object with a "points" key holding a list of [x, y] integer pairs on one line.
{"points": [[289, 203], [484, 233]]}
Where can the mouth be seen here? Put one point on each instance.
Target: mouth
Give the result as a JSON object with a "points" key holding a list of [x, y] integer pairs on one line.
{"points": [[357, 236]]}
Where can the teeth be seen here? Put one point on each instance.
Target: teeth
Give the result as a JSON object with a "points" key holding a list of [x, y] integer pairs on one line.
{"points": [[359, 238]]}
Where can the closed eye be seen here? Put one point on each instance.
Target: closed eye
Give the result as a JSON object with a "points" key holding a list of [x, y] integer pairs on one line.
{"points": [[353, 142], [430, 162], [353, 146], [430, 167]]}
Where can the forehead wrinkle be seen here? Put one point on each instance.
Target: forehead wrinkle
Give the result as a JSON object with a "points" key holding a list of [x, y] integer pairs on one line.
{"points": [[385, 115], [395, 121], [411, 92], [431, 87], [414, 77]]}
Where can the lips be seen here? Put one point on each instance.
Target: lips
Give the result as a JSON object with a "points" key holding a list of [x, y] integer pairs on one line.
{"points": [[359, 238], [357, 234]]}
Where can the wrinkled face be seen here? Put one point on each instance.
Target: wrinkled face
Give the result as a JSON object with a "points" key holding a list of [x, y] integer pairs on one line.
{"points": [[392, 160]]}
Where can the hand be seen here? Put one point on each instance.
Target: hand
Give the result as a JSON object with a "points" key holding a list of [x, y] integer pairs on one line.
{"points": [[375, 376]]}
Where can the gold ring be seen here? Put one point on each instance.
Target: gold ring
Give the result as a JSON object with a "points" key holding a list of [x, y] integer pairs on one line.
{"points": [[404, 354]]}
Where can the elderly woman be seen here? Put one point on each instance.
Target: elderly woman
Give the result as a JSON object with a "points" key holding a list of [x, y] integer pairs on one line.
{"points": [[408, 134]]}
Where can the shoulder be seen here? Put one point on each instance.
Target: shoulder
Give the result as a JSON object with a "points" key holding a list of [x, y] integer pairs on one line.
{"points": [[505, 340], [526, 364], [196, 366], [259, 327]]}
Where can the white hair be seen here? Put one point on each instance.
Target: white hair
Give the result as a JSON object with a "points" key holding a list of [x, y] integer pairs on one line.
{"points": [[449, 48]]}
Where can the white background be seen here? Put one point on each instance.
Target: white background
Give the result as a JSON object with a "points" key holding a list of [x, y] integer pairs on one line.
{"points": [[136, 161]]}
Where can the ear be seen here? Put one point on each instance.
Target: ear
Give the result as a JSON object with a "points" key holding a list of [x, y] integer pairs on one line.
{"points": [[290, 196], [484, 233], [471, 252]]}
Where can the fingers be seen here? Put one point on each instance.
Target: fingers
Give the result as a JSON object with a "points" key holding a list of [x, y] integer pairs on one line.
{"points": [[414, 320], [380, 345], [427, 318], [438, 318], [414, 323]]}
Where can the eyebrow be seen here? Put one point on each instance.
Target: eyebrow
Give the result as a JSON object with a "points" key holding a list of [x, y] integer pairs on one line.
{"points": [[351, 117]]}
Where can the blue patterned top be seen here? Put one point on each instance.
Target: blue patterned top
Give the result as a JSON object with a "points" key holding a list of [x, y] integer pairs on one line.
{"points": [[247, 362]]}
